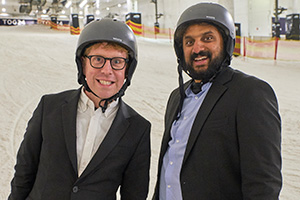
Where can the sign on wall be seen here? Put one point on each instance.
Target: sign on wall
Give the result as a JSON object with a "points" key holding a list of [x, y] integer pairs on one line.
{"points": [[16, 22]]}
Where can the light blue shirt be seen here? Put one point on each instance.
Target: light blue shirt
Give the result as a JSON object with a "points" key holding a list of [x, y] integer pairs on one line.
{"points": [[170, 188]]}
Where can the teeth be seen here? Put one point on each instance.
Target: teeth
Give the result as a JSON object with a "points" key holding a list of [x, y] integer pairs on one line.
{"points": [[202, 58], [105, 82]]}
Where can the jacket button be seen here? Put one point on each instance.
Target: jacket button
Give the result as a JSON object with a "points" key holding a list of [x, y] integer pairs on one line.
{"points": [[75, 189]]}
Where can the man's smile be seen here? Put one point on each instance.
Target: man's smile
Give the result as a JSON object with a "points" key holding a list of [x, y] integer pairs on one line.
{"points": [[200, 58], [103, 82]]}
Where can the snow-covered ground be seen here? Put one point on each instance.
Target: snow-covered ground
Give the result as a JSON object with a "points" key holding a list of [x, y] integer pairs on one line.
{"points": [[35, 60]]}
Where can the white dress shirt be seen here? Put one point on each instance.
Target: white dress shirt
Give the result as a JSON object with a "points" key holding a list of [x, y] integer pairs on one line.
{"points": [[92, 126]]}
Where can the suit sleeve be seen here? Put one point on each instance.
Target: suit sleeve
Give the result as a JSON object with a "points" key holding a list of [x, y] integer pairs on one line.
{"points": [[259, 135], [135, 183], [27, 158]]}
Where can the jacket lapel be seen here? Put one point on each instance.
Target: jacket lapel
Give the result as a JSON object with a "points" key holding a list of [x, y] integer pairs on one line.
{"points": [[216, 91], [69, 113], [169, 119], [112, 138]]}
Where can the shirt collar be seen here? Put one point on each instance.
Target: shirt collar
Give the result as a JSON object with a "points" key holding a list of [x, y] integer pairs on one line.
{"points": [[85, 104], [190, 93]]}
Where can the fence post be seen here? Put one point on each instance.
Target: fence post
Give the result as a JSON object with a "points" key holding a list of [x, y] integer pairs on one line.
{"points": [[244, 47], [170, 35], [276, 47]]}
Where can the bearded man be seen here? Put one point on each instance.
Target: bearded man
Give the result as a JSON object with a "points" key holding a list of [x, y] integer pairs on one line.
{"points": [[222, 138]]}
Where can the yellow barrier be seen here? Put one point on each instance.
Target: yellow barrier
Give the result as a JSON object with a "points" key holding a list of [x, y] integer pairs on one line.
{"points": [[288, 50], [136, 28], [272, 48], [259, 48], [163, 33], [74, 31]]}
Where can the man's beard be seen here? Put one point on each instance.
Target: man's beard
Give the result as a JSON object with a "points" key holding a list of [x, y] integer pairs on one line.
{"points": [[212, 69]]}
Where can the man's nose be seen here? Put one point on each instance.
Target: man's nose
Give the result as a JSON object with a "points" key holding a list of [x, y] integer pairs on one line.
{"points": [[198, 46], [107, 67]]}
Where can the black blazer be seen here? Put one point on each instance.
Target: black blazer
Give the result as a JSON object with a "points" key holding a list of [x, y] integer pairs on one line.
{"points": [[234, 148], [47, 162]]}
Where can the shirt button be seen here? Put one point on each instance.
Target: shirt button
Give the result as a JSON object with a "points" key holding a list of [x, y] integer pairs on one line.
{"points": [[75, 189], [196, 97], [171, 163], [169, 186], [177, 141]]}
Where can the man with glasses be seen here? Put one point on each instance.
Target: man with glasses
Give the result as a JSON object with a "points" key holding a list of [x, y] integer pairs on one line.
{"points": [[86, 143]]}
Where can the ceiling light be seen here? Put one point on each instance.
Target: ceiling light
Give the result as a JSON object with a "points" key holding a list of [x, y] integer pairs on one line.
{"points": [[68, 4], [3, 10], [82, 3], [4, 14]]}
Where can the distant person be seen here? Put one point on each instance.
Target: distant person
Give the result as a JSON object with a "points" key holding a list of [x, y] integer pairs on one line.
{"points": [[83, 144], [222, 138]]}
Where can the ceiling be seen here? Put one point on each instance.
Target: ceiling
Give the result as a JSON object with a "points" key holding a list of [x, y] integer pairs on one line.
{"points": [[35, 8]]}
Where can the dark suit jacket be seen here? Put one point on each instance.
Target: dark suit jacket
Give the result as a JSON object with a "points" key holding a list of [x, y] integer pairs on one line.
{"points": [[47, 162], [234, 148]]}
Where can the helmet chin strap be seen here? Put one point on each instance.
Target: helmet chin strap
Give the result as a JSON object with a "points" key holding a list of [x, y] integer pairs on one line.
{"points": [[181, 82], [181, 89], [112, 98], [107, 100]]}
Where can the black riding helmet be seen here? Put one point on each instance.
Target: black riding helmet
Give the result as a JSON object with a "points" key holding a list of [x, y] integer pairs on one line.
{"points": [[107, 30]]}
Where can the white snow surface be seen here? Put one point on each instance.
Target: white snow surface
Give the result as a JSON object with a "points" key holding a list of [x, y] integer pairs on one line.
{"points": [[36, 60]]}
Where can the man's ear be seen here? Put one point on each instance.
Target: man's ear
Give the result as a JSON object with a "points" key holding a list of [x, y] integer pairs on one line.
{"points": [[126, 70], [83, 64]]}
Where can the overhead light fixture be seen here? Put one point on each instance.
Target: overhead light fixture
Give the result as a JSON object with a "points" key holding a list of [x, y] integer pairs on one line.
{"points": [[82, 3], [97, 3], [68, 4], [119, 5], [3, 2], [3, 10], [97, 12], [107, 8], [4, 14]]}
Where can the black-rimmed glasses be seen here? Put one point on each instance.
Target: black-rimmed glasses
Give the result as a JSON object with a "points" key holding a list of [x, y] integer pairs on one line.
{"points": [[117, 63]]}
